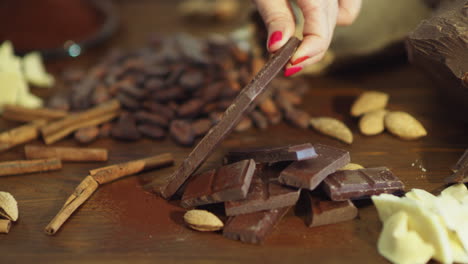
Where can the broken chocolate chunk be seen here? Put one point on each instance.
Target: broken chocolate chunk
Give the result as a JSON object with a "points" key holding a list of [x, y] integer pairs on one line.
{"points": [[323, 212], [275, 154], [265, 193], [359, 184], [254, 227], [308, 174], [228, 183]]}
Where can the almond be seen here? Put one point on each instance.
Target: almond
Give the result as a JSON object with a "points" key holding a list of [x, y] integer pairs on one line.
{"points": [[404, 125], [372, 123], [369, 101], [203, 220], [8, 206], [332, 127], [351, 166]]}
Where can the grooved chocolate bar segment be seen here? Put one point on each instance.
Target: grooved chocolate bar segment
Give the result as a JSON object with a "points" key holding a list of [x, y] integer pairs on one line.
{"points": [[230, 118], [227, 183], [358, 184], [308, 174], [276, 154], [265, 193], [460, 170], [254, 227], [323, 212]]}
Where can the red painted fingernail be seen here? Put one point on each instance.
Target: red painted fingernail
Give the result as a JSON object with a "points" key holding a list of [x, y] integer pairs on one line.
{"points": [[275, 37], [299, 60], [293, 70]]}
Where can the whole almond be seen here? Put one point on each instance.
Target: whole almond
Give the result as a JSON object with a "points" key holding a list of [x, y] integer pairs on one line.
{"points": [[203, 220], [332, 127], [369, 101], [372, 123], [8, 206], [351, 166], [404, 125]]}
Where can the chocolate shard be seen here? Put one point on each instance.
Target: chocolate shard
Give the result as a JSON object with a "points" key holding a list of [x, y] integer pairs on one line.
{"points": [[227, 183], [308, 174], [253, 228], [322, 212], [360, 184], [270, 155], [265, 193], [460, 170], [231, 117]]}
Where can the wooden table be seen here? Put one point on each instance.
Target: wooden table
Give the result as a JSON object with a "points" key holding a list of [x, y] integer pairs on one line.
{"points": [[123, 223]]}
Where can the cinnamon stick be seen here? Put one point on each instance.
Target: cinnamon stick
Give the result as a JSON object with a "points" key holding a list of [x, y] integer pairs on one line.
{"points": [[100, 176], [23, 114], [29, 166], [5, 225], [65, 153], [94, 116], [114, 172], [19, 135], [82, 192]]}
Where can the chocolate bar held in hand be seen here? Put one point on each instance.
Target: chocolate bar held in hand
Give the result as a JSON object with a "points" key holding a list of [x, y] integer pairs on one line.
{"points": [[359, 184], [233, 114], [276, 154], [254, 227], [308, 174], [228, 183], [460, 170], [265, 193], [323, 212]]}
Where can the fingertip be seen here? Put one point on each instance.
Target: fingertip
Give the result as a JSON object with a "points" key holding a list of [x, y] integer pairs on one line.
{"points": [[274, 40], [289, 71]]}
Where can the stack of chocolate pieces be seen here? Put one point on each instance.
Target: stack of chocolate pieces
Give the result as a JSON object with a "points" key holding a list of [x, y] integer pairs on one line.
{"points": [[259, 186]]}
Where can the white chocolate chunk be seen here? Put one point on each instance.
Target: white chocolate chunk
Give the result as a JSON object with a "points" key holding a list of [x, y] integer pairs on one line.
{"points": [[35, 72], [10, 83], [400, 245], [423, 221], [458, 191]]}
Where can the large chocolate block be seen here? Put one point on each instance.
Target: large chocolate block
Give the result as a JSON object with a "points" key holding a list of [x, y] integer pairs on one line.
{"points": [[308, 174], [254, 227], [270, 155], [359, 184], [228, 183], [265, 193], [439, 45]]}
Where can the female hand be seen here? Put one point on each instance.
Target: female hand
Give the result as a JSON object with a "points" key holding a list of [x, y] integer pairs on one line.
{"points": [[320, 18]]}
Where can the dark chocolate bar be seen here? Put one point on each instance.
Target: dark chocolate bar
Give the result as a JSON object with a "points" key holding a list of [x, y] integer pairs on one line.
{"points": [[254, 227], [323, 212], [270, 155], [460, 170], [265, 193], [231, 117], [308, 174], [228, 183], [359, 184]]}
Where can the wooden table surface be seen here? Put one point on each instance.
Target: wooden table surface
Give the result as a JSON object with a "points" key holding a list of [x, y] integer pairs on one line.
{"points": [[122, 223]]}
